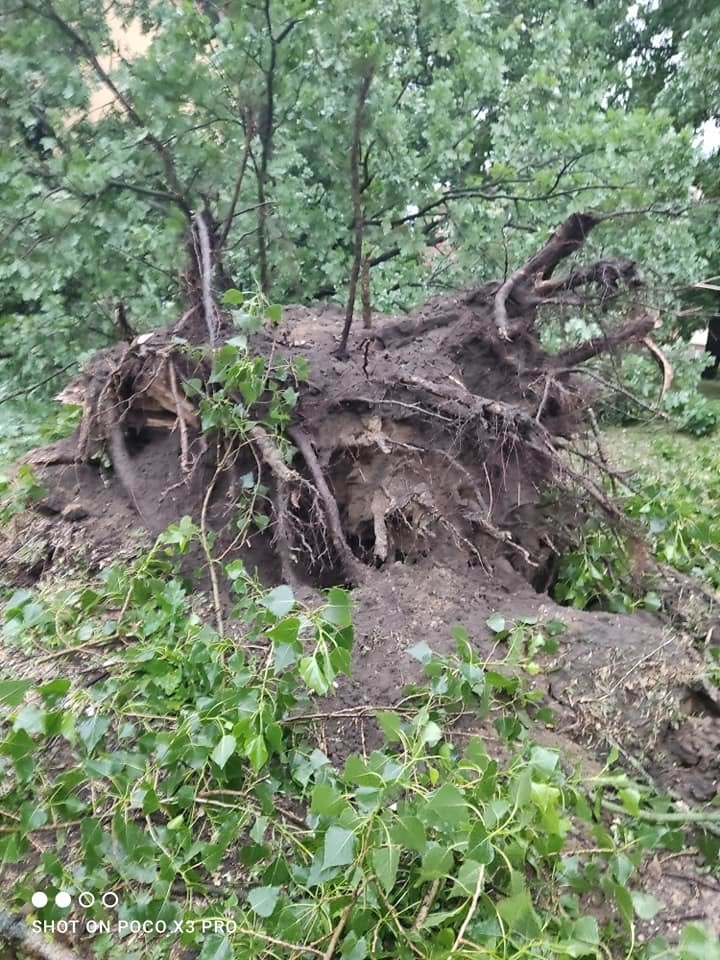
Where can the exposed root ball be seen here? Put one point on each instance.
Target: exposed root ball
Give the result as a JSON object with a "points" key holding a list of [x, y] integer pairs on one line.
{"points": [[444, 433]]}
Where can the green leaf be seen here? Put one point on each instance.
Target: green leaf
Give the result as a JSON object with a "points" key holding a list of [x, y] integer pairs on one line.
{"points": [[274, 312], [12, 692], [518, 915], [216, 947], [385, 862], [496, 622], [263, 900], [339, 608], [279, 601], [409, 832], [630, 799], [623, 900], [448, 805], [233, 298], [544, 760], [31, 719], [354, 947], [256, 752], [327, 800], [290, 396], [92, 730], [466, 879], [696, 943], [338, 848], [585, 929], [421, 651], [431, 734], [312, 675], [390, 724], [52, 691], [224, 749], [437, 862], [645, 905]]}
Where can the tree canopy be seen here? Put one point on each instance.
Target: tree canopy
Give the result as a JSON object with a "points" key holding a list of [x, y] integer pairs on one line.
{"points": [[431, 143]]}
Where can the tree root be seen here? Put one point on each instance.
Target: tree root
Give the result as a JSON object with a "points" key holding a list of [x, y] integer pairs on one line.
{"points": [[290, 484], [345, 554]]}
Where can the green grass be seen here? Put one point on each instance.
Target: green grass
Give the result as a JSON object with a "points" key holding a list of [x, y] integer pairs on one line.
{"points": [[710, 388]]}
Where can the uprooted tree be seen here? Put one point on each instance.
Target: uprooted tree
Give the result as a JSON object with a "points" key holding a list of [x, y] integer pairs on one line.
{"points": [[450, 431]]}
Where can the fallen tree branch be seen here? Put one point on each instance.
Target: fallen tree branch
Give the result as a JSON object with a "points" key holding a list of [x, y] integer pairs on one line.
{"points": [[664, 364], [566, 239], [608, 274], [634, 330], [17, 934], [23, 391]]}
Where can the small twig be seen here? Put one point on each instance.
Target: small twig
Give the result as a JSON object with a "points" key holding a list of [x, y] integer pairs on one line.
{"points": [[543, 401], [36, 386], [426, 904], [471, 909], [698, 881], [654, 816], [340, 926], [357, 711], [299, 948], [69, 651], [396, 920]]}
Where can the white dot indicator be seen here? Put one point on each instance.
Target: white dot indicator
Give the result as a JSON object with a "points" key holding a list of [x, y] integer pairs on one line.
{"points": [[86, 899], [63, 899], [39, 899], [110, 899]]}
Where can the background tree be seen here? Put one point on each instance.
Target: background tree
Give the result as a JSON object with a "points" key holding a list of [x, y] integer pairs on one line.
{"points": [[479, 132]]}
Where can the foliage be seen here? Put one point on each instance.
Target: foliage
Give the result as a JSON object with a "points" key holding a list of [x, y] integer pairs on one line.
{"points": [[185, 779], [28, 424], [17, 492], [241, 380], [602, 573], [689, 411], [480, 131], [679, 507], [628, 388], [673, 496]]}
